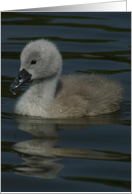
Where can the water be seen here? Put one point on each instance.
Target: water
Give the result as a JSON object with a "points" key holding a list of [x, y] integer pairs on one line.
{"points": [[73, 155]]}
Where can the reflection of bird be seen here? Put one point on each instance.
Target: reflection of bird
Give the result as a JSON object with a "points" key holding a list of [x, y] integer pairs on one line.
{"points": [[53, 97]]}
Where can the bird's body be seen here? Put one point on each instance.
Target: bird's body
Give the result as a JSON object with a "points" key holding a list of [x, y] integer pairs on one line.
{"points": [[52, 96]]}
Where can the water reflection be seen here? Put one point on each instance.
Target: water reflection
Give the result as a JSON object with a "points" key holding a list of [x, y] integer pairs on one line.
{"points": [[41, 155], [40, 161], [49, 127]]}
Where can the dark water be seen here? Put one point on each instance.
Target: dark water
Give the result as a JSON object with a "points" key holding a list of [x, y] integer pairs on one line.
{"points": [[72, 155]]}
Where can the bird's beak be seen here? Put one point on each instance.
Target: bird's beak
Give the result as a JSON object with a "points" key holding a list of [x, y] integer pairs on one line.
{"points": [[22, 77]]}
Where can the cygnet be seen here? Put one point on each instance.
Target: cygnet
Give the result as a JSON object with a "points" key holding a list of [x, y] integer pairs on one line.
{"points": [[53, 96]]}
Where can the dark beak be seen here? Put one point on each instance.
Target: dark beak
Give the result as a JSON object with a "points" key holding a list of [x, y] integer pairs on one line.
{"points": [[22, 77]]}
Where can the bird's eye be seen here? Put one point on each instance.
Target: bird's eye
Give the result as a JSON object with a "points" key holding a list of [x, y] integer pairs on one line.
{"points": [[33, 62]]}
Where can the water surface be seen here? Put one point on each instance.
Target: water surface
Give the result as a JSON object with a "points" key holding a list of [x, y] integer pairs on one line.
{"points": [[67, 155]]}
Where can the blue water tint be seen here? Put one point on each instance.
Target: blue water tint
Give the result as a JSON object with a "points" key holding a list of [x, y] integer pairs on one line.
{"points": [[73, 155]]}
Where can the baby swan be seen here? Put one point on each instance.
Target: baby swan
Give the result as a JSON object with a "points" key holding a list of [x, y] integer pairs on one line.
{"points": [[50, 96]]}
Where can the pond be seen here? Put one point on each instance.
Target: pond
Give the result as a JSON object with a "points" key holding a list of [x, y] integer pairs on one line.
{"points": [[91, 154]]}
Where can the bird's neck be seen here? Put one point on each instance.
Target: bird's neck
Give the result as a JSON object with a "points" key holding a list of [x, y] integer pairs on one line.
{"points": [[38, 99], [46, 88]]}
